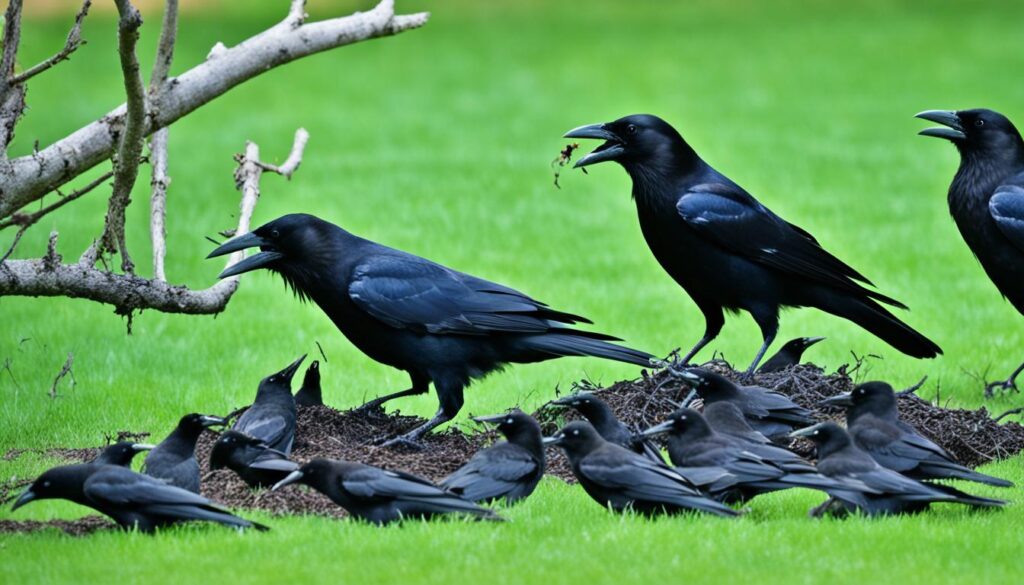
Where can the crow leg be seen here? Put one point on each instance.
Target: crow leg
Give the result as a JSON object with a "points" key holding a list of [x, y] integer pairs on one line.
{"points": [[768, 321], [412, 438], [420, 385], [449, 394], [713, 322], [1008, 384]]}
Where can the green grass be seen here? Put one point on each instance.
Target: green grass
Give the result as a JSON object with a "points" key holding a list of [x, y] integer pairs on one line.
{"points": [[438, 142]]}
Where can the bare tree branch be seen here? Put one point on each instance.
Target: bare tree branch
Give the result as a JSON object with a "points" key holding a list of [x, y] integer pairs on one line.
{"points": [[165, 49], [12, 96], [294, 157], [296, 13], [30, 177], [158, 201], [72, 43]]}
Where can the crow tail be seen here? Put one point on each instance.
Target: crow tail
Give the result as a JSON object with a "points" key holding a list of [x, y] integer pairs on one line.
{"points": [[876, 319], [570, 344]]}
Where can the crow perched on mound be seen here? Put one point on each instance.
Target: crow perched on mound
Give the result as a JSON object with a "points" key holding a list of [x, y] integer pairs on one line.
{"points": [[174, 459], [607, 424]]}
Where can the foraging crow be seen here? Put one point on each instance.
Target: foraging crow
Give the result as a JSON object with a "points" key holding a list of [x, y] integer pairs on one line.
{"points": [[381, 496], [873, 420], [986, 198], [693, 443], [174, 459], [251, 459], [727, 250], [271, 418], [770, 413], [727, 419], [310, 394], [121, 453], [607, 424], [507, 470], [789, 355], [435, 323], [618, 478], [131, 499], [888, 492]]}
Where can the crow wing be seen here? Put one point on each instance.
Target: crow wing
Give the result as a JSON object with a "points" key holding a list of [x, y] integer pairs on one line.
{"points": [[1007, 209], [492, 473]]}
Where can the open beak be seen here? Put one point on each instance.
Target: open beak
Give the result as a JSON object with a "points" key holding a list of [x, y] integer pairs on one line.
{"points": [[143, 447], [953, 130], [212, 421], [610, 150], [491, 418], [291, 478], [805, 432], [658, 429], [23, 499], [844, 399], [254, 262], [289, 372], [555, 440]]}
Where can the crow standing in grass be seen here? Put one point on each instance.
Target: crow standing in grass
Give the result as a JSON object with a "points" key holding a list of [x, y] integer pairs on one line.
{"points": [[251, 459], [121, 453], [435, 323], [618, 478], [873, 419], [174, 459], [507, 470], [310, 394], [788, 355], [607, 424], [888, 492], [131, 499], [381, 496], [271, 418], [727, 250], [986, 198]]}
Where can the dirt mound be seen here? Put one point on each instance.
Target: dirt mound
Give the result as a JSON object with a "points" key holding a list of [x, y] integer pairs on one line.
{"points": [[80, 527]]}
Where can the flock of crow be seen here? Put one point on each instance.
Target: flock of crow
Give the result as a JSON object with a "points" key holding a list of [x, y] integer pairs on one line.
{"points": [[443, 327]]}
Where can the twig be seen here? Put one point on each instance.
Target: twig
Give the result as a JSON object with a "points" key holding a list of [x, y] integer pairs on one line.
{"points": [[914, 388], [28, 219], [296, 14], [294, 157], [64, 371], [72, 43], [1017, 410], [10, 372], [322, 354]]}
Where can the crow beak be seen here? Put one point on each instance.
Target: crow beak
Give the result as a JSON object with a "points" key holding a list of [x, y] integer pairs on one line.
{"points": [[212, 421], [563, 402], [954, 129], [23, 499], [556, 440], [844, 399], [804, 432], [491, 418], [809, 341], [289, 372], [610, 150], [254, 262], [689, 377], [658, 429], [143, 447], [291, 478]]}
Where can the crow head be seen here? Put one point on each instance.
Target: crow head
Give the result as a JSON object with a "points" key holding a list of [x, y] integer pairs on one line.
{"points": [[875, 398], [977, 131], [281, 381], [577, 438], [121, 453], [285, 244], [517, 426], [828, 437], [684, 423], [64, 483], [640, 140]]}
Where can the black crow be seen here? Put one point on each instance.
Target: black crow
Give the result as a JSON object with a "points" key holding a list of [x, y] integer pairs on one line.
{"points": [[507, 470], [888, 492], [693, 443], [620, 479], [310, 394], [788, 355], [986, 198], [251, 459], [381, 496], [607, 424], [727, 419], [174, 459], [727, 250], [131, 499], [770, 413], [435, 323], [120, 453], [873, 420], [271, 418]]}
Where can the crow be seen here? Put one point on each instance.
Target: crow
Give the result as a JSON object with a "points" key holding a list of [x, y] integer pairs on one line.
{"points": [[888, 492], [507, 470], [381, 496], [727, 250], [174, 459], [788, 355], [986, 199], [309, 394], [620, 479], [873, 421], [607, 424], [271, 418], [727, 419], [251, 459], [131, 499], [436, 324], [120, 453], [770, 413], [692, 443]]}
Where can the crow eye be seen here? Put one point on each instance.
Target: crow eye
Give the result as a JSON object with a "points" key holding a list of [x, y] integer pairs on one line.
{"points": [[575, 432], [631, 129], [275, 234], [46, 484], [979, 123], [508, 421]]}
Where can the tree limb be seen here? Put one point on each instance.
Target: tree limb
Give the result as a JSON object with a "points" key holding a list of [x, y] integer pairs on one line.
{"points": [[294, 157], [72, 43], [12, 96], [158, 201]]}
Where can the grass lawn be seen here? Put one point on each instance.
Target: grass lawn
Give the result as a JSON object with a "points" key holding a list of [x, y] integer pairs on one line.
{"points": [[438, 142]]}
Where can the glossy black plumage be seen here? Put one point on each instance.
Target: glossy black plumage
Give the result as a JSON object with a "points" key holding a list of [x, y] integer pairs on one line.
{"points": [[507, 470], [174, 459], [608, 425], [310, 393], [271, 418], [251, 459], [788, 355], [620, 479], [873, 420], [727, 250], [381, 496], [726, 418], [121, 453], [441, 326]]}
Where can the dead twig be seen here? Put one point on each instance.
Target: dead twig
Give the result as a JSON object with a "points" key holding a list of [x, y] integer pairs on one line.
{"points": [[71, 45], [65, 370]]}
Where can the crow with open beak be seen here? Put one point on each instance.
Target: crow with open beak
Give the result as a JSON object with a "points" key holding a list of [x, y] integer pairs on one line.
{"points": [[272, 416]]}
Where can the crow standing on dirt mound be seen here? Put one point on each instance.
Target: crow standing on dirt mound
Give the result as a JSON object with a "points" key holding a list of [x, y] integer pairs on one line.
{"points": [[618, 478], [727, 419], [727, 250], [310, 394], [435, 323], [873, 419], [174, 459], [788, 355], [986, 198], [888, 492], [251, 459], [271, 418], [381, 496], [508, 469], [131, 499], [607, 424], [121, 453]]}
